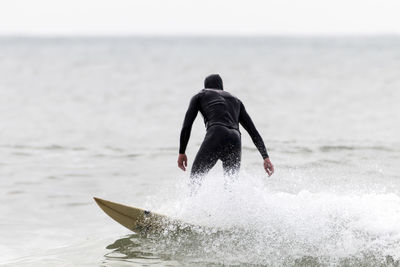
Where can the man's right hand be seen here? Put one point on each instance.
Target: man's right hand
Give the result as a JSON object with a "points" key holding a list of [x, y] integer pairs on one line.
{"points": [[269, 168], [182, 161]]}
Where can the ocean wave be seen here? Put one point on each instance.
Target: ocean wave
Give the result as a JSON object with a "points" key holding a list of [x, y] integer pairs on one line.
{"points": [[266, 227]]}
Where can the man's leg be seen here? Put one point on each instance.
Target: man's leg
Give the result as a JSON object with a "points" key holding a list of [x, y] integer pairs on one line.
{"points": [[232, 154], [231, 163], [202, 164], [205, 159]]}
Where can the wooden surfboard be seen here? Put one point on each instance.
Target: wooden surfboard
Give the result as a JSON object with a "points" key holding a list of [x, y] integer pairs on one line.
{"points": [[135, 219]]}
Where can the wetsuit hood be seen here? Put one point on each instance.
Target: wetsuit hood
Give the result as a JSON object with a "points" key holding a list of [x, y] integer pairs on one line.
{"points": [[213, 81]]}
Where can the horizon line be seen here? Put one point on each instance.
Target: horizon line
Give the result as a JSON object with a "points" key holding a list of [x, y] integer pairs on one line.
{"points": [[185, 35]]}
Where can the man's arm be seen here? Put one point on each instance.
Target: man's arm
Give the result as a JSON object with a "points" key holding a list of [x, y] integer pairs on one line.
{"points": [[248, 125], [191, 114]]}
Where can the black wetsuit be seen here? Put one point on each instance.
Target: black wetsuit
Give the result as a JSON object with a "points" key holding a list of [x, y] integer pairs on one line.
{"points": [[222, 114]]}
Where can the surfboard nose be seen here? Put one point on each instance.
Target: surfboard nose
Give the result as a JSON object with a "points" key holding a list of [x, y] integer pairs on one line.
{"points": [[130, 217], [137, 219], [98, 200]]}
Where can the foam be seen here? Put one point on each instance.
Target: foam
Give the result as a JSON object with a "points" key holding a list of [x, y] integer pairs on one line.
{"points": [[270, 226]]}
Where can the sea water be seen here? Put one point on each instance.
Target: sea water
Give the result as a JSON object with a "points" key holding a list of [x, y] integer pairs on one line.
{"points": [[84, 117]]}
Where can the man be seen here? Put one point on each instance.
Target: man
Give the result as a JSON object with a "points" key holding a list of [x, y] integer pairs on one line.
{"points": [[222, 114]]}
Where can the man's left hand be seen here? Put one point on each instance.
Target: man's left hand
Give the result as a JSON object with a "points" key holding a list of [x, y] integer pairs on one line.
{"points": [[269, 168]]}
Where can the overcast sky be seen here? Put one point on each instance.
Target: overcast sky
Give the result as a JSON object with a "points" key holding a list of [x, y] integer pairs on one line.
{"points": [[177, 17]]}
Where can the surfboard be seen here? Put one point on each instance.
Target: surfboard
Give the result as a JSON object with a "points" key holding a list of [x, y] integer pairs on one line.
{"points": [[136, 219]]}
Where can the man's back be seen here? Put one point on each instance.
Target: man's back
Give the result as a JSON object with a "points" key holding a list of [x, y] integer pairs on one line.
{"points": [[219, 107]]}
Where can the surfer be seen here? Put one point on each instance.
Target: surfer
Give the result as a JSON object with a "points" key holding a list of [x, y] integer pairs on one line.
{"points": [[222, 113]]}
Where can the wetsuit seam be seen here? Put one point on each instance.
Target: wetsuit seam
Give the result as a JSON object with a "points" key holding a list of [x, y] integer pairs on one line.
{"points": [[221, 124]]}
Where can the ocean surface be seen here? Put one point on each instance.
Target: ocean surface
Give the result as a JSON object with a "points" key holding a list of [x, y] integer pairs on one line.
{"points": [[84, 117]]}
